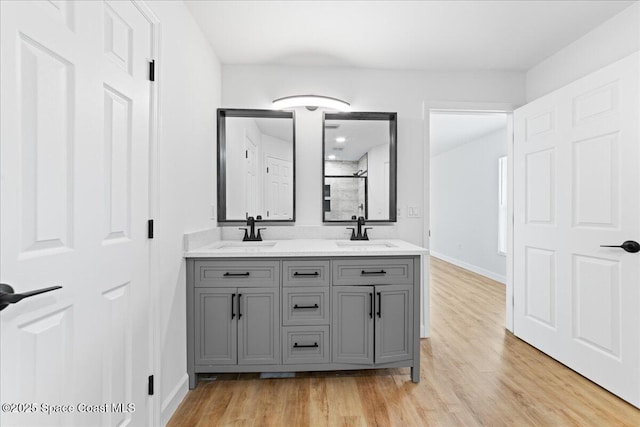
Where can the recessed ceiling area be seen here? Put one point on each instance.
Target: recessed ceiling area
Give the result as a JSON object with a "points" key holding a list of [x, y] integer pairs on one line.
{"points": [[410, 35], [449, 130]]}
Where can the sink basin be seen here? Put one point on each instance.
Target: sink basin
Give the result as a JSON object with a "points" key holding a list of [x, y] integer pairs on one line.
{"points": [[245, 246], [364, 244]]}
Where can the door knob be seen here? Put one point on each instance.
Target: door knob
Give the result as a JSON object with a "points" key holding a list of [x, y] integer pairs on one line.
{"points": [[7, 296], [629, 246]]}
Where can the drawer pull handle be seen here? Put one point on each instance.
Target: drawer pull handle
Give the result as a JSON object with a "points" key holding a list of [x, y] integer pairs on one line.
{"points": [[305, 306], [227, 274], [314, 274], [314, 345], [364, 273]]}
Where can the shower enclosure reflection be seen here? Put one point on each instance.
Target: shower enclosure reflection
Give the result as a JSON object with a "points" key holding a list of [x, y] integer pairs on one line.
{"points": [[359, 166]]}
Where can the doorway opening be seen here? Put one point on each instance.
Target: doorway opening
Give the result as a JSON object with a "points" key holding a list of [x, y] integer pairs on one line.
{"points": [[469, 190]]}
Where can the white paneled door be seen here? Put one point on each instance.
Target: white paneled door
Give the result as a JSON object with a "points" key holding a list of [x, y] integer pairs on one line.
{"points": [[279, 184], [75, 120], [577, 187]]}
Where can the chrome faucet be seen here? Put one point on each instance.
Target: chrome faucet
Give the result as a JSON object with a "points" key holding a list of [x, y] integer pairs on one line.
{"points": [[359, 235], [250, 235]]}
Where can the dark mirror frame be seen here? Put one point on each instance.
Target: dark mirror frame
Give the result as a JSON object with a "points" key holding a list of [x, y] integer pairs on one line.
{"points": [[393, 156], [223, 113]]}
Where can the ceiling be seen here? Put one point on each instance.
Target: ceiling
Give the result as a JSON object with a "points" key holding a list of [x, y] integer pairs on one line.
{"points": [[414, 35], [449, 130], [360, 136]]}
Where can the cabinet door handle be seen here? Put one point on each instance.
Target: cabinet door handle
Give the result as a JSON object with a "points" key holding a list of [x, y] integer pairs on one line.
{"points": [[370, 305], [364, 273], [314, 345], [227, 274], [239, 307], [379, 304], [314, 274], [305, 306], [233, 313]]}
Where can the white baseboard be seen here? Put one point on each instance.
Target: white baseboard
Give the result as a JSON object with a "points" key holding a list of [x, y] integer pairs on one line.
{"points": [[479, 270], [173, 400]]}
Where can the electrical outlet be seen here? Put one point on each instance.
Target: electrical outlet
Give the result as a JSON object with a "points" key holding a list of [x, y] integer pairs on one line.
{"points": [[213, 212], [413, 212], [399, 215]]}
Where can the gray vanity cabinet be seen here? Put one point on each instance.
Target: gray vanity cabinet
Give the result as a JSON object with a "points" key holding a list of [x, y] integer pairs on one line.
{"points": [[372, 324], [294, 314]]}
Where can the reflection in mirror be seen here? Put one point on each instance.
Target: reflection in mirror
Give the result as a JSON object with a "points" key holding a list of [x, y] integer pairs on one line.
{"points": [[359, 166], [256, 168]]}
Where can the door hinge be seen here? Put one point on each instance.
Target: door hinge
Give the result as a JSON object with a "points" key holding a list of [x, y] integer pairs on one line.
{"points": [[246, 154], [267, 214], [150, 385], [150, 229], [152, 70], [267, 170]]}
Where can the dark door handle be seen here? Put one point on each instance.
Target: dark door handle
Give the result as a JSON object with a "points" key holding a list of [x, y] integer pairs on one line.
{"points": [[314, 345], [363, 272], [233, 312], [371, 305], [239, 306], [314, 274], [7, 296], [296, 306], [379, 304], [227, 274], [629, 246]]}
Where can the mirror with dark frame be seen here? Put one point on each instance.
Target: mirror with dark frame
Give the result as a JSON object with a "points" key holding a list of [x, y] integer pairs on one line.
{"points": [[359, 166], [256, 165]]}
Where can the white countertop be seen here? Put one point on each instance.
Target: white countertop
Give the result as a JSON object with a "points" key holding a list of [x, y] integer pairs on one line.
{"points": [[306, 248]]}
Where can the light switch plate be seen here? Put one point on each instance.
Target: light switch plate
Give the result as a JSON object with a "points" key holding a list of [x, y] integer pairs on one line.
{"points": [[413, 212]]}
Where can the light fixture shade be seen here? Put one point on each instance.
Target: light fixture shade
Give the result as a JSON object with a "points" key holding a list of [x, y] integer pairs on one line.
{"points": [[311, 102]]}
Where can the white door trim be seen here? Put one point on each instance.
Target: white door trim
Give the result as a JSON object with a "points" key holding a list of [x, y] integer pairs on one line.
{"points": [[481, 107], [155, 357]]}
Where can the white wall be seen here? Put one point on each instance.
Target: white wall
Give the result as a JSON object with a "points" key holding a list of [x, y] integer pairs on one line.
{"points": [[378, 200], [612, 40], [237, 129], [464, 205], [189, 80], [403, 92]]}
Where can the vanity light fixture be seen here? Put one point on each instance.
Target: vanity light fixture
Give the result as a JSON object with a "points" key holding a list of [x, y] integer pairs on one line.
{"points": [[341, 139], [310, 102]]}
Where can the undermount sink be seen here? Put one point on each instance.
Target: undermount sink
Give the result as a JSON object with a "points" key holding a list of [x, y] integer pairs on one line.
{"points": [[362, 244], [245, 246]]}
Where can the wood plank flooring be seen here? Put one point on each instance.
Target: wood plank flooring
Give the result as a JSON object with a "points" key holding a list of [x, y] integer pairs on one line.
{"points": [[473, 373]]}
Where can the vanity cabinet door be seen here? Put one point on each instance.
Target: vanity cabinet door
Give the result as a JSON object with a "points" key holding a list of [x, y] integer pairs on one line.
{"points": [[394, 323], [215, 326], [352, 327], [258, 326]]}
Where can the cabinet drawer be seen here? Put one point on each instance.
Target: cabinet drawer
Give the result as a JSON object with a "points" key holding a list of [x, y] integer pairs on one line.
{"points": [[306, 273], [305, 344], [305, 306], [372, 271], [252, 273]]}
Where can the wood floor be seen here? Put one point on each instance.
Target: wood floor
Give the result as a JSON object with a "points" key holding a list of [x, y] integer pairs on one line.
{"points": [[473, 373]]}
